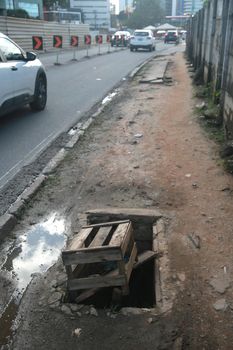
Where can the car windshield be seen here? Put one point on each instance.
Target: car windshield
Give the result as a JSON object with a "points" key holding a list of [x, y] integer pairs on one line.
{"points": [[141, 33]]}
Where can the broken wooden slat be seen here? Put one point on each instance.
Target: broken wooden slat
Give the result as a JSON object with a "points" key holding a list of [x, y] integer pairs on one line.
{"points": [[128, 239], [91, 255], [88, 293], [79, 239], [97, 281], [105, 224], [118, 235], [142, 258], [100, 237], [131, 262]]}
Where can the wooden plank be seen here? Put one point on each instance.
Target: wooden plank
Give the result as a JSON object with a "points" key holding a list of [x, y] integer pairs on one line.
{"points": [[122, 271], [69, 271], [128, 239], [100, 237], [131, 261], [88, 293], [142, 258], [118, 235], [145, 216], [109, 223], [91, 255], [95, 282], [79, 239]]}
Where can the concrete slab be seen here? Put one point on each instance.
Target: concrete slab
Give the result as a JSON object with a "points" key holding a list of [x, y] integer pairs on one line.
{"points": [[156, 71], [147, 216]]}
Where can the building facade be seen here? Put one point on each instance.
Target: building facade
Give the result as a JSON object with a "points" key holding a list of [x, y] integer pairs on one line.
{"points": [[192, 6], [96, 12], [182, 7], [34, 8]]}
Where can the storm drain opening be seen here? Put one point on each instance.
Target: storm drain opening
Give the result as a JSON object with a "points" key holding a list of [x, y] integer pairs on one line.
{"points": [[114, 282]]}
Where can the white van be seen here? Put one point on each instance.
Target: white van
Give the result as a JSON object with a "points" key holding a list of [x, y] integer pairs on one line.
{"points": [[142, 39]]}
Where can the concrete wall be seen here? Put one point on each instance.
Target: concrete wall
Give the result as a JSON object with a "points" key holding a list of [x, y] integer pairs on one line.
{"points": [[21, 31], [210, 48]]}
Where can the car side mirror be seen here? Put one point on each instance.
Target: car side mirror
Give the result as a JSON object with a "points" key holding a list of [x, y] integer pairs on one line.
{"points": [[30, 56]]}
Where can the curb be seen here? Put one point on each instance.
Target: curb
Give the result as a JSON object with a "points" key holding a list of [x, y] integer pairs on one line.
{"points": [[7, 223], [9, 219]]}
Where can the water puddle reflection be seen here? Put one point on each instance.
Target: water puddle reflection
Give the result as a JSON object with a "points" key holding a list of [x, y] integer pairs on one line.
{"points": [[35, 251]]}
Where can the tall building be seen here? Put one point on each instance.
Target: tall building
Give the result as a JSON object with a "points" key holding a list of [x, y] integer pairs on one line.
{"points": [[192, 6], [167, 5], [96, 12], [182, 7]]}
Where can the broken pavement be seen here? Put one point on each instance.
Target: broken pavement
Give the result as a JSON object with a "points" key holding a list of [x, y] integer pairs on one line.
{"points": [[111, 166]]}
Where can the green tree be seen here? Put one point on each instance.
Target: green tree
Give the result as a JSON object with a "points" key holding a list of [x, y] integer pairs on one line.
{"points": [[147, 12], [123, 18], [56, 3]]}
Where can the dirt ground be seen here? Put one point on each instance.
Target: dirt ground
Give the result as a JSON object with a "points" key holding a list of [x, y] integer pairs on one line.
{"points": [[172, 167]]}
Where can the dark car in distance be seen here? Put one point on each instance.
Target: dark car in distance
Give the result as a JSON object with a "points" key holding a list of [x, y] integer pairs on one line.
{"points": [[171, 36]]}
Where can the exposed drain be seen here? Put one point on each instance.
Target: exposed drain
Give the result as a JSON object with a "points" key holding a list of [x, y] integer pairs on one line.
{"points": [[142, 292], [142, 284]]}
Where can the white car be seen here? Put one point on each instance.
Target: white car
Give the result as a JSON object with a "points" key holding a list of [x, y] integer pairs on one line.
{"points": [[142, 39], [22, 78]]}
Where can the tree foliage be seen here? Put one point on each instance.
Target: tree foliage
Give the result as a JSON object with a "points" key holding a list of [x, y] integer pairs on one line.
{"points": [[52, 4], [17, 13], [147, 12]]}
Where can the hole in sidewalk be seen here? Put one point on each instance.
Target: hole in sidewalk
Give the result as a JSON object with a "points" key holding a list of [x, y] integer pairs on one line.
{"points": [[141, 284]]}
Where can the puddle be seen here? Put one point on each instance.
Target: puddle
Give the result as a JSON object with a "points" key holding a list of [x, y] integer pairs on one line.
{"points": [[34, 252]]}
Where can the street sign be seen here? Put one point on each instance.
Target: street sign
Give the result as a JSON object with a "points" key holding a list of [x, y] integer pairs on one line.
{"points": [[37, 42], [99, 39], [57, 41], [108, 38], [87, 39], [74, 40]]}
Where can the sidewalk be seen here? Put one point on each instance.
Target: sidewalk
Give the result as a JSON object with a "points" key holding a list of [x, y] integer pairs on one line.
{"points": [[145, 150]]}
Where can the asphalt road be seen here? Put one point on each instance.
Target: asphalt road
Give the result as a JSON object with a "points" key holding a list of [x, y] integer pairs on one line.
{"points": [[73, 88]]}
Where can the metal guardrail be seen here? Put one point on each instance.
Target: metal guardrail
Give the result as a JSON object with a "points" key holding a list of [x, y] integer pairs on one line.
{"points": [[22, 30]]}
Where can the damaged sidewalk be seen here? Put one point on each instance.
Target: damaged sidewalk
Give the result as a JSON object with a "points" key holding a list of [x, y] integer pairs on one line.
{"points": [[145, 150]]}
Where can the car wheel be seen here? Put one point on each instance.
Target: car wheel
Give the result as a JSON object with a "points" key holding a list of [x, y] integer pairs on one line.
{"points": [[131, 49], [150, 48], [40, 96]]}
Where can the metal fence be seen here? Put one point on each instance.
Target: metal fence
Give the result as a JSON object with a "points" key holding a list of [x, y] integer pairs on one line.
{"points": [[21, 30], [210, 48]]}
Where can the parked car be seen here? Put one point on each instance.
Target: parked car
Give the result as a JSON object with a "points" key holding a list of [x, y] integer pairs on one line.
{"points": [[142, 39], [22, 76], [172, 36], [120, 38]]}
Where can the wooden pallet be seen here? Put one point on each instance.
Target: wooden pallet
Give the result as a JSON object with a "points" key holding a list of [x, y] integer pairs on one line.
{"points": [[100, 246]]}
